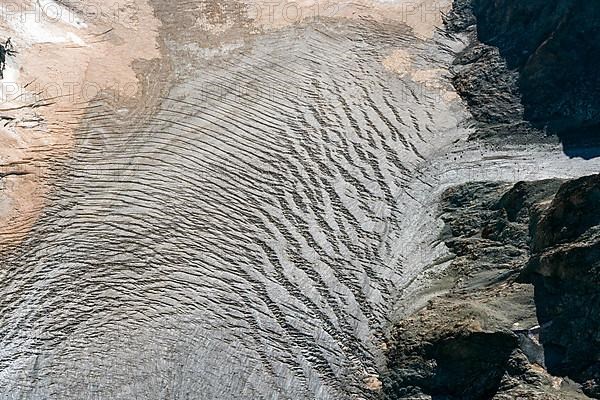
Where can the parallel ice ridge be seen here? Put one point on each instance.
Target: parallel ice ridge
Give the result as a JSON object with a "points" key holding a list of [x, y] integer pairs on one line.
{"points": [[246, 242]]}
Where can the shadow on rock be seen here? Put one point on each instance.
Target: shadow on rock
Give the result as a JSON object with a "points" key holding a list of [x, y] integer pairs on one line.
{"points": [[520, 311]]}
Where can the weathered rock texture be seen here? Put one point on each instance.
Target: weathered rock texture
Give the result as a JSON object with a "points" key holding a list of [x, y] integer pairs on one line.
{"points": [[565, 270], [546, 54], [486, 83], [521, 317], [555, 47]]}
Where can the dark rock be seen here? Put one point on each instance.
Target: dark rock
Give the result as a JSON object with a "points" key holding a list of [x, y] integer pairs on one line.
{"points": [[555, 45], [531, 67], [522, 319], [449, 355], [565, 271], [574, 210]]}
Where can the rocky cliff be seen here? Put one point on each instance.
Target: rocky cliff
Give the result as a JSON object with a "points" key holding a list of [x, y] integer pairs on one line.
{"points": [[555, 46], [565, 270], [547, 52], [521, 317], [520, 313]]}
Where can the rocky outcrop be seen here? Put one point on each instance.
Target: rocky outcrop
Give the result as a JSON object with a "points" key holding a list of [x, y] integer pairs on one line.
{"points": [[486, 83], [565, 270], [521, 316], [444, 351], [555, 46], [520, 313], [543, 53]]}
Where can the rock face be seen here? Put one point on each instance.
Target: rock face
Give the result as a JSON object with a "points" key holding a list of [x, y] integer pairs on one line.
{"points": [[556, 48], [521, 317], [520, 313], [486, 83], [565, 270], [544, 52], [444, 351]]}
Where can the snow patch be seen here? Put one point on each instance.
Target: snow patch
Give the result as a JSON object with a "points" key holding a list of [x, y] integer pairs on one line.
{"points": [[52, 27], [55, 12]]}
